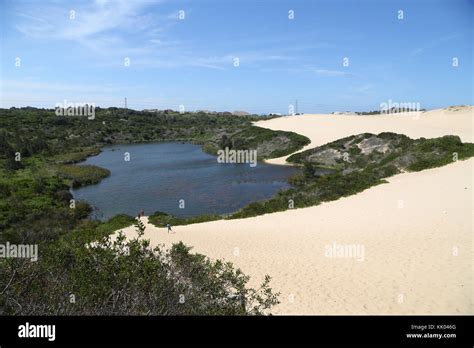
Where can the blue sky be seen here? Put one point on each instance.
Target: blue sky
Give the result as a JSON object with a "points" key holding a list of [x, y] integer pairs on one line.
{"points": [[190, 61]]}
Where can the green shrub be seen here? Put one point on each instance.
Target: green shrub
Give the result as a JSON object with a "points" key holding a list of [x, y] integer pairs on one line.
{"points": [[161, 219], [128, 278]]}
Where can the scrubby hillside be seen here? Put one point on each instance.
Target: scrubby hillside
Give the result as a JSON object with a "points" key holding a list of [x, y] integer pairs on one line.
{"points": [[353, 164]]}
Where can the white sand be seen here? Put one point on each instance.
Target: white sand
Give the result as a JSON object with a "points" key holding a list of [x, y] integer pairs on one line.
{"points": [[416, 231], [323, 128]]}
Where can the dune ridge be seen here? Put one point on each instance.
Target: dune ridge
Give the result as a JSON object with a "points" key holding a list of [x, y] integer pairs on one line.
{"points": [[416, 231]]}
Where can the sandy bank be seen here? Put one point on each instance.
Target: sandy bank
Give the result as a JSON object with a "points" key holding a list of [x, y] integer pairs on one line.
{"points": [[323, 128], [414, 235]]}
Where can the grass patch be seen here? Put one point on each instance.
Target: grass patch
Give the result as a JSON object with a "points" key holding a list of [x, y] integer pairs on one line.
{"points": [[81, 175], [74, 157]]}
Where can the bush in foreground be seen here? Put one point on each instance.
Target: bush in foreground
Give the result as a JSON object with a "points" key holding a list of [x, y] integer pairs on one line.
{"points": [[120, 277]]}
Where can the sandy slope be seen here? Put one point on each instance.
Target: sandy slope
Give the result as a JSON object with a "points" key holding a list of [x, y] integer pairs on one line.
{"points": [[323, 128], [416, 231]]}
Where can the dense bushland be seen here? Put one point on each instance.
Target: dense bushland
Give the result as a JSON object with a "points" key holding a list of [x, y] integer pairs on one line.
{"points": [[120, 277], [39, 156]]}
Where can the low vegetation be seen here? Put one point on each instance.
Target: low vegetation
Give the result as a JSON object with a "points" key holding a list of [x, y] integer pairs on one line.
{"points": [[161, 219], [40, 154], [123, 277], [351, 165], [39, 164], [268, 143], [68, 139], [81, 175]]}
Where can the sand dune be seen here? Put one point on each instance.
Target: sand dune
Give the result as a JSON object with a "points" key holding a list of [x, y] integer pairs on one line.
{"points": [[416, 232], [323, 128]]}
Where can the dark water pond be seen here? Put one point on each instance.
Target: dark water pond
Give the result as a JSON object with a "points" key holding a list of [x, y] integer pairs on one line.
{"points": [[158, 176]]}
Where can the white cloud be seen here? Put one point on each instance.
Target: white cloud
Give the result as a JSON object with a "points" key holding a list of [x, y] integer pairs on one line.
{"points": [[95, 25]]}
